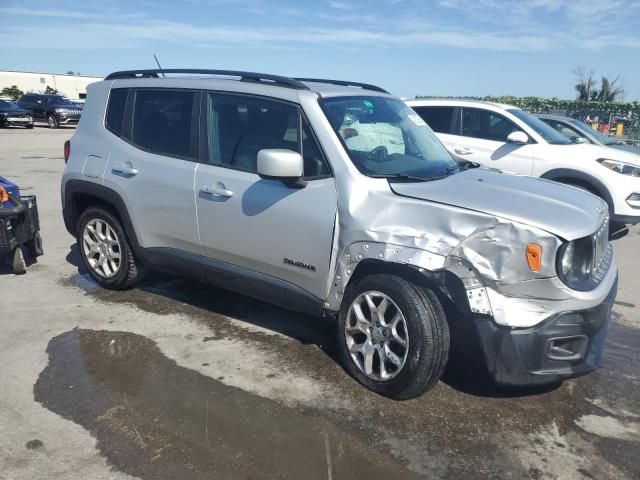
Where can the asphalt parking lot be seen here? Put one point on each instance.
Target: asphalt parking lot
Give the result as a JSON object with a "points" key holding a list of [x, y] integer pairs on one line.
{"points": [[175, 380]]}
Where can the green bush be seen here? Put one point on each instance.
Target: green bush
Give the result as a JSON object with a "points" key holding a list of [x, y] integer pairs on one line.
{"points": [[573, 108]]}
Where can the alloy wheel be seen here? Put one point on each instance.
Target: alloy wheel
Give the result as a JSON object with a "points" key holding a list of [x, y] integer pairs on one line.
{"points": [[101, 248], [376, 335]]}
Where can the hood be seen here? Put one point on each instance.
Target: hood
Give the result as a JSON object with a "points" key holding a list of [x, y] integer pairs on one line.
{"points": [[15, 111], [564, 211], [594, 152], [626, 148], [68, 106]]}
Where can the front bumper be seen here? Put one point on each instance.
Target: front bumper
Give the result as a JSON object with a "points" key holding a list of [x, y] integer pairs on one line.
{"points": [[565, 345], [68, 120], [17, 122]]}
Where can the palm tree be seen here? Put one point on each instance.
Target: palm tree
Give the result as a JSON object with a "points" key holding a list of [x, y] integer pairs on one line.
{"points": [[610, 92]]}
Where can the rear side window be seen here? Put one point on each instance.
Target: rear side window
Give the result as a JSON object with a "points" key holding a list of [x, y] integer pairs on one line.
{"points": [[440, 119], [487, 125], [115, 110], [242, 126], [162, 122]]}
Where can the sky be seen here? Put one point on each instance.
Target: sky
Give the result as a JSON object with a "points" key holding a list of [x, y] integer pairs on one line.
{"points": [[409, 47]]}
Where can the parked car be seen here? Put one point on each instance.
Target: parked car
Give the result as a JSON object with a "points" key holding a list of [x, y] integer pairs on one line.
{"points": [[580, 132], [55, 110], [512, 140], [12, 115], [250, 183]]}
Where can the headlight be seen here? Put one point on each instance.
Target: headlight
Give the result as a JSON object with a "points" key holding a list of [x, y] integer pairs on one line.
{"points": [[620, 167], [575, 263], [567, 258], [61, 110]]}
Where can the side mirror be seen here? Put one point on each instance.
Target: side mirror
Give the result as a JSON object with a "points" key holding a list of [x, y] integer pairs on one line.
{"points": [[580, 140], [280, 164], [518, 138]]}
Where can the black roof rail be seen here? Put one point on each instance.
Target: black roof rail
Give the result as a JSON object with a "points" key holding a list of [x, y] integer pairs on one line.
{"points": [[365, 86], [244, 76]]}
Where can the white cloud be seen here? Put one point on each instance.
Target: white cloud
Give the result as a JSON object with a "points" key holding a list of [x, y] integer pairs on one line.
{"points": [[499, 25], [339, 5]]}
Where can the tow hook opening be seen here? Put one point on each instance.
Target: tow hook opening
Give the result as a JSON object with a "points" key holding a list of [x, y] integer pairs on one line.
{"points": [[567, 348]]}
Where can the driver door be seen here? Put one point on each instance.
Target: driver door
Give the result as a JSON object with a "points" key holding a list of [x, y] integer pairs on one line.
{"points": [[262, 225], [484, 141]]}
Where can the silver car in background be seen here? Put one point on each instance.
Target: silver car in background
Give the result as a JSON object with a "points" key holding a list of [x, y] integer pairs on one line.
{"points": [[336, 199], [580, 132]]}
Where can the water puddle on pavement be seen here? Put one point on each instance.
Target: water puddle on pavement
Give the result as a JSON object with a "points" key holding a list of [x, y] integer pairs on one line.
{"points": [[157, 420], [588, 426]]}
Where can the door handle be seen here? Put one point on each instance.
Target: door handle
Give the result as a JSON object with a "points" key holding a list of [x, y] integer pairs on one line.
{"points": [[463, 151], [219, 190], [127, 170]]}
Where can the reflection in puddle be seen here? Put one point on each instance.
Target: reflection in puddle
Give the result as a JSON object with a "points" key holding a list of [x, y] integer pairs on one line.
{"points": [[155, 419]]}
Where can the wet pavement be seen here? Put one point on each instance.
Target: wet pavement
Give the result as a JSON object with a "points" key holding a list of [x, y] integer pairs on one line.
{"points": [[177, 380]]}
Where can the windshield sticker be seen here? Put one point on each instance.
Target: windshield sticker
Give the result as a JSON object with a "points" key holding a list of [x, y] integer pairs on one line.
{"points": [[367, 103], [417, 120]]}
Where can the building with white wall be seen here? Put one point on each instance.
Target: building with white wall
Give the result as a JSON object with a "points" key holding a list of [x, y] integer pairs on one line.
{"points": [[72, 86]]}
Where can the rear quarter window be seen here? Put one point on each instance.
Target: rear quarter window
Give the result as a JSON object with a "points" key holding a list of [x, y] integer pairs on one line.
{"points": [[115, 110]]}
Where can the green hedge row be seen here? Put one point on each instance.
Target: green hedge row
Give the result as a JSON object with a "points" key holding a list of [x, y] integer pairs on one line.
{"points": [[573, 108]]}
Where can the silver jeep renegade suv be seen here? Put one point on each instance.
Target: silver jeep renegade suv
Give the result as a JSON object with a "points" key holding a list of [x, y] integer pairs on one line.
{"points": [[336, 199]]}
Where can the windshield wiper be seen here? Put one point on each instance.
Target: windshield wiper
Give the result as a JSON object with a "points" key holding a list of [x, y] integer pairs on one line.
{"points": [[399, 176], [466, 164], [445, 173]]}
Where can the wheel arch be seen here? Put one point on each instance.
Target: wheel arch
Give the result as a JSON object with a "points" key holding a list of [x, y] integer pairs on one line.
{"points": [[80, 195], [569, 176], [445, 284]]}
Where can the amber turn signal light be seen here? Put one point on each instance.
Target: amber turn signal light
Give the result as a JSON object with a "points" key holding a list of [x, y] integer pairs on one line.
{"points": [[534, 257], [4, 196]]}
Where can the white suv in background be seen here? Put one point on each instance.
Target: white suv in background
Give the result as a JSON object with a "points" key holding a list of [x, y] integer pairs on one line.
{"points": [[512, 140]]}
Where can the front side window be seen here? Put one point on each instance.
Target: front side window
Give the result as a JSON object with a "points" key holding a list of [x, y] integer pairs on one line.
{"points": [[162, 122], [440, 119], [239, 127], [541, 128], [486, 125], [386, 138]]}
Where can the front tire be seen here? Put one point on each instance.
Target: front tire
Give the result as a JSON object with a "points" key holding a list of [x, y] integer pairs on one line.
{"points": [[52, 121], [393, 336], [105, 250]]}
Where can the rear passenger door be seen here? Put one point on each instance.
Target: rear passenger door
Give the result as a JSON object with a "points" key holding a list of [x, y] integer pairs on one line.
{"points": [[262, 225], [443, 121], [152, 162], [484, 140]]}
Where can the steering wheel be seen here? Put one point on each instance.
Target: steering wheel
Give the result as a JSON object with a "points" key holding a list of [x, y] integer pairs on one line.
{"points": [[379, 154]]}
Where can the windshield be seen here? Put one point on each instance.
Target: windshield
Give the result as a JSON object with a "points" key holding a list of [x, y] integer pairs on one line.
{"points": [[7, 105], [545, 131], [386, 138], [590, 132]]}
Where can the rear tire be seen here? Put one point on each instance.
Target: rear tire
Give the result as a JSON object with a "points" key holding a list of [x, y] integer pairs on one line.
{"points": [[105, 250], [34, 246], [29, 127], [19, 265], [422, 327]]}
